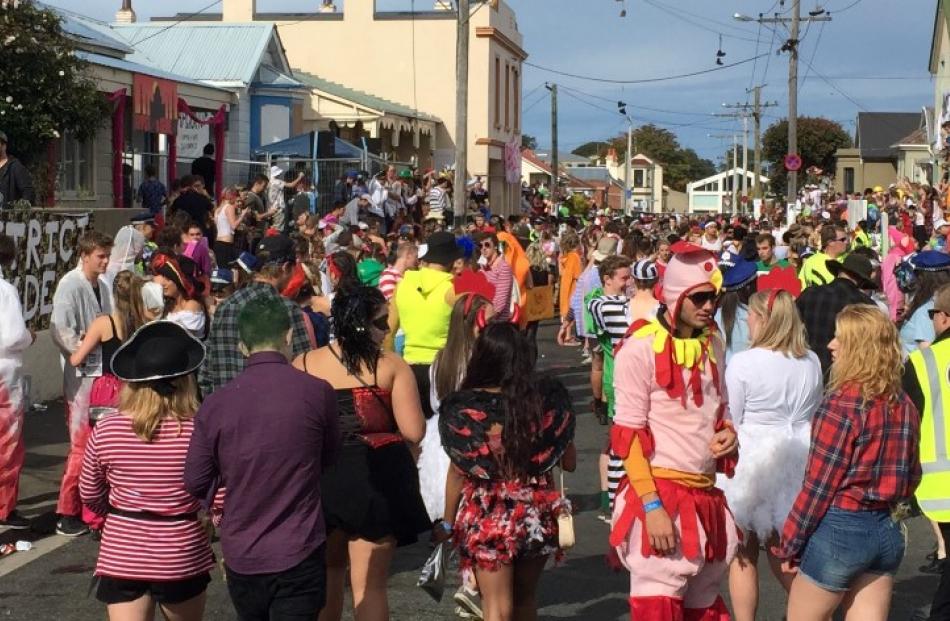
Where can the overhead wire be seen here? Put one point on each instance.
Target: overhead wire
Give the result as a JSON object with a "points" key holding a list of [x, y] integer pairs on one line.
{"points": [[814, 52], [852, 5], [572, 95], [700, 25], [643, 80], [175, 23], [637, 106]]}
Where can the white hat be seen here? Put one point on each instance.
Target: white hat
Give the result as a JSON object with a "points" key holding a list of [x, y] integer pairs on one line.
{"points": [[939, 223], [276, 171], [322, 224], [363, 226]]}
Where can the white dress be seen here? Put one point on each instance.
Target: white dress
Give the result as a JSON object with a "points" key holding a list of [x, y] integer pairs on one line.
{"points": [[772, 399], [193, 321], [433, 460]]}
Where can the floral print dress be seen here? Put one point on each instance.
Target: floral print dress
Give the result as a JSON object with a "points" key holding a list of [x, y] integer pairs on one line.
{"points": [[503, 519]]}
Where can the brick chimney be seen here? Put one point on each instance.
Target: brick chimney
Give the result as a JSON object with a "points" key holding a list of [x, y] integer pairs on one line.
{"points": [[125, 15], [611, 159], [239, 10]]}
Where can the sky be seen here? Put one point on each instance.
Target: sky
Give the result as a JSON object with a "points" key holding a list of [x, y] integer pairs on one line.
{"points": [[846, 65]]}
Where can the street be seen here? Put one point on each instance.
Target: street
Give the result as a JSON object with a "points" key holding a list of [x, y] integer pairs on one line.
{"points": [[52, 581]]}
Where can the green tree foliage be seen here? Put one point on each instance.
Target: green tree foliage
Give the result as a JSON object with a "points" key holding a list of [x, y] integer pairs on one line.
{"points": [[818, 139], [680, 165], [529, 142], [44, 91]]}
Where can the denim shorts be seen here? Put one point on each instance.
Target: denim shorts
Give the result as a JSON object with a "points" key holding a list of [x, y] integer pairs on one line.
{"points": [[847, 544]]}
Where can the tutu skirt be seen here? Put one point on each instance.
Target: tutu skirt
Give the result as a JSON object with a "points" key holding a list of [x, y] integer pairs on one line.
{"points": [[768, 477]]}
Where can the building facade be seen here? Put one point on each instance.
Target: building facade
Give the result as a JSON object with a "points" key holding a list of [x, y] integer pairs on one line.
{"points": [[409, 58]]}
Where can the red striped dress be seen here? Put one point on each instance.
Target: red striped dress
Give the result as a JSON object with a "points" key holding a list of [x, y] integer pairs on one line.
{"points": [[121, 470]]}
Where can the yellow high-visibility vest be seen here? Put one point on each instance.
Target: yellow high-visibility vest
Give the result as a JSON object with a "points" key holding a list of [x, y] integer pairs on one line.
{"points": [[932, 366]]}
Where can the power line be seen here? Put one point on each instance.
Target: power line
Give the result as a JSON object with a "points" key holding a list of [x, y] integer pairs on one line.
{"points": [[668, 9], [853, 4], [175, 23], [608, 100], [572, 95], [643, 80], [534, 103], [814, 52]]}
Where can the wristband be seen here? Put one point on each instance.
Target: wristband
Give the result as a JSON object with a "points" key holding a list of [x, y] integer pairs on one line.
{"points": [[653, 505], [446, 526]]}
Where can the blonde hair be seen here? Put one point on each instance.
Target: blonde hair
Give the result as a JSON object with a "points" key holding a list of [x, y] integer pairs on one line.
{"points": [[870, 353], [782, 329], [536, 256], [148, 407]]}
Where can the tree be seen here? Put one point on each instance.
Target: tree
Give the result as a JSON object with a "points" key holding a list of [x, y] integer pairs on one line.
{"points": [[594, 148], [44, 91], [818, 140], [529, 142], [727, 159]]}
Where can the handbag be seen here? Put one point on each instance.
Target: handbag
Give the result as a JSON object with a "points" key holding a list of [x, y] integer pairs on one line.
{"points": [[565, 520], [432, 576]]}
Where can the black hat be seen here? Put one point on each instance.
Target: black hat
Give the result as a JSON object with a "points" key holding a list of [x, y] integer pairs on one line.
{"points": [[855, 265], [440, 248], [277, 249], [142, 218], [158, 350]]}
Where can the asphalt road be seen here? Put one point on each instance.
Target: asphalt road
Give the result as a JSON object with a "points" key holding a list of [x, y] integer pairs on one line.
{"points": [[52, 580]]}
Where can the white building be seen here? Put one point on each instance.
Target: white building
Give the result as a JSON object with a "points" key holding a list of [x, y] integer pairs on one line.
{"points": [[715, 194]]}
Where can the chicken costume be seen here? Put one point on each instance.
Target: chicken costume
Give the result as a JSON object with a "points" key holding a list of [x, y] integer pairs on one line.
{"points": [[670, 402]]}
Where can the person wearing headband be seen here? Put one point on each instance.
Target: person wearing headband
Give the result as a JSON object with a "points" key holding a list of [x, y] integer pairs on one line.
{"points": [[774, 388]]}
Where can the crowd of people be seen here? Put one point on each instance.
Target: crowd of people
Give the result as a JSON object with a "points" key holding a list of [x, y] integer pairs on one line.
{"points": [[321, 389]]}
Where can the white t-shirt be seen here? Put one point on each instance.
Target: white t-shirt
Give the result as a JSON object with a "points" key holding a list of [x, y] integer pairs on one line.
{"points": [[767, 388]]}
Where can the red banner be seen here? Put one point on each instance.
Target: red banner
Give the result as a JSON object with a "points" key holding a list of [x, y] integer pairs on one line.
{"points": [[154, 105]]}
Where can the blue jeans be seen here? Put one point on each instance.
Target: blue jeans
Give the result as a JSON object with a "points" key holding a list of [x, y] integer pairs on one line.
{"points": [[847, 544]]}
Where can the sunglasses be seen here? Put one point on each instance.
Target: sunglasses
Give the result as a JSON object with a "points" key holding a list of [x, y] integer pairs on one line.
{"points": [[933, 313], [843, 240], [701, 298], [381, 323], [487, 245]]}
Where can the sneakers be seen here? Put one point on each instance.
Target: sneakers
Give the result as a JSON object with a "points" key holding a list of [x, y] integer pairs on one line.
{"points": [[469, 603], [71, 526], [15, 521]]}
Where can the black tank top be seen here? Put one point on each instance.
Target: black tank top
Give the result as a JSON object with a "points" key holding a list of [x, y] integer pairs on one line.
{"points": [[109, 348]]}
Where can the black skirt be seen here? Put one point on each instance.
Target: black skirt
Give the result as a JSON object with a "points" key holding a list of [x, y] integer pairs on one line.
{"points": [[374, 493]]}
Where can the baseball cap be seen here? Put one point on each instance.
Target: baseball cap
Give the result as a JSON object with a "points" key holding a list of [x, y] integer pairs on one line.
{"points": [[221, 276], [276, 249]]}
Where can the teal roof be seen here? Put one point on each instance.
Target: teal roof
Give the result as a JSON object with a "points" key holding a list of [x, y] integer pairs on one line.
{"points": [[90, 33], [362, 98], [213, 52]]}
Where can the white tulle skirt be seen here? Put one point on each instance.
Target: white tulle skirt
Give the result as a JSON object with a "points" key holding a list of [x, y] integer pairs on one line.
{"points": [[433, 467], [768, 476]]}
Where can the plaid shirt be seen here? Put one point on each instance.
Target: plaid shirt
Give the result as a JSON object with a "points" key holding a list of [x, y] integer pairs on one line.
{"points": [[819, 306], [863, 457], [224, 360]]}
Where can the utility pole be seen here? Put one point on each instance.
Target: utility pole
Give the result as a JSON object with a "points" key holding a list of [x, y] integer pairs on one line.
{"points": [[791, 46], [745, 156], [460, 196], [627, 190], [554, 163], [735, 158], [792, 191], [753, 110]]}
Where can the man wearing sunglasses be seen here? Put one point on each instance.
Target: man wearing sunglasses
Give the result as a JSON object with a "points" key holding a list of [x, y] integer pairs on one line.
{"points": [[672, 433], [834, 243]]}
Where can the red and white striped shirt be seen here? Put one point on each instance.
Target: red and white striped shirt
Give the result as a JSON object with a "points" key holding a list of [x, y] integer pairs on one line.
{"points": [[388, 281], [122, 471]]}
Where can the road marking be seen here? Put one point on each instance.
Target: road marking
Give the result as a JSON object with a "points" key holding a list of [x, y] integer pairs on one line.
{"points": [[41, 547]]}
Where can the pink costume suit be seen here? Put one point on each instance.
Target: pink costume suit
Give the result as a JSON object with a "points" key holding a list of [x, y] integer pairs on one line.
{"points": [[673, 402], [14, 339]]}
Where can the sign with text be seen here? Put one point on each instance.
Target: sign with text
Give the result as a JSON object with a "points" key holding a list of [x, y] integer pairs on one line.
{"points": [[154, 104], [193, 136], [45, 250]]}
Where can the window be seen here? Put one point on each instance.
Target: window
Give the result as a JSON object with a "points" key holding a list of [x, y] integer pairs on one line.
{"points": [[516, 100], [638, 179], [849, 180], [497, 93], [77, 164], [507, 96]]}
